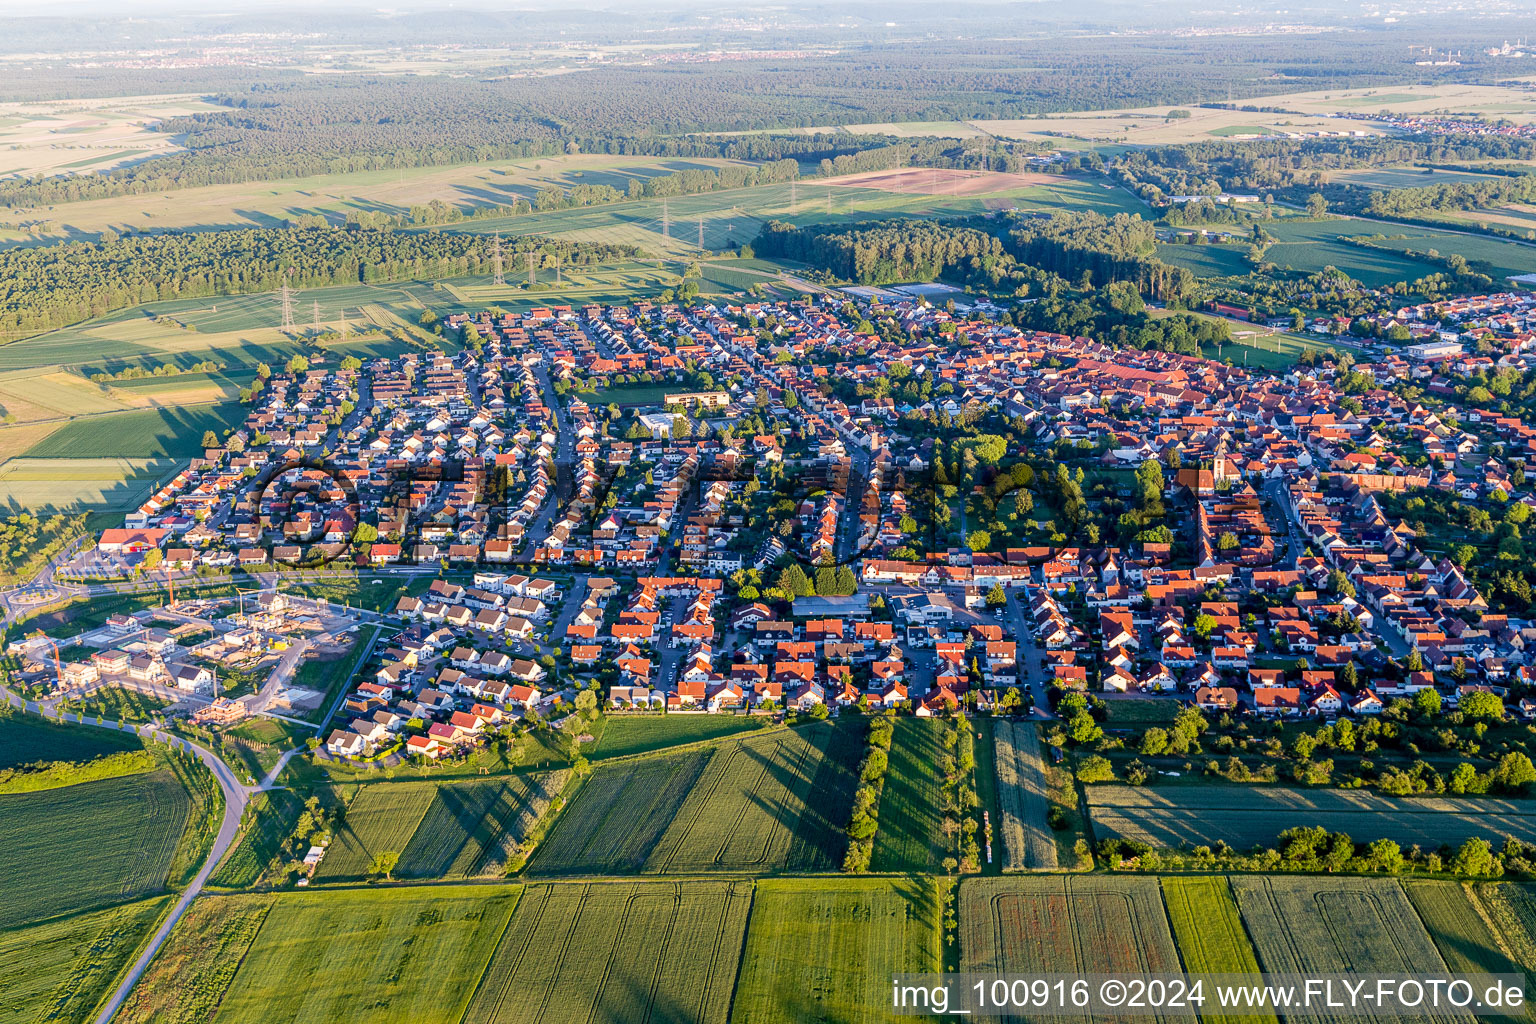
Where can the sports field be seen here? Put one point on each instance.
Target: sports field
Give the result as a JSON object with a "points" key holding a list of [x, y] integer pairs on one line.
{"points": [[878, 927], [620, 951], [89, 844], [63, 969], [1245, 816], [911, 835], [1026, 836]]}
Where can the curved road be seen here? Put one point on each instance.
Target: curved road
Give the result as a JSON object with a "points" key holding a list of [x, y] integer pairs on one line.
{"points": [[236, 796]]}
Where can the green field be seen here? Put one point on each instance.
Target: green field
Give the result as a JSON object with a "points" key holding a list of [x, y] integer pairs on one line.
{"points": [[273, 817], [1066, 924], [630, 394], [732, 217], [28, 738], [619, 814], [1300, 925], [1315, 925], [878, 927], [771, 803], [108, 485], [359, 956], [63, 969], [187, 978], [617, 952], [1209, 932], [141, 434], [640, 734], [1459, 931], [459, 830], [911, 835], [1023, 831], [1206, 260], [1404, 177], [1243, 816], [1511, 909], [89, 844]]}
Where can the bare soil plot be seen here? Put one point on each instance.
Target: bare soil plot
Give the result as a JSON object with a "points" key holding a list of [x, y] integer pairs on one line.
{"points": [[1021, 790], [944, 181]]}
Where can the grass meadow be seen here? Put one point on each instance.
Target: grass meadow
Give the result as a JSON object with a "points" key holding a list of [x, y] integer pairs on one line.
{"points": [[1025, 835], [1243, 816]]}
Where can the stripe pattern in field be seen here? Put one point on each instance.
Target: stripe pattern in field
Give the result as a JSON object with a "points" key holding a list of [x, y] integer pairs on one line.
{"points": [[1457, 927], [1247, 815], [1026, 833], [632, 952], [1067, 924], [911, 835], [1310, 926], [1209, 933], [449, 830], [619, 815], [877, 928], [768, 803]]}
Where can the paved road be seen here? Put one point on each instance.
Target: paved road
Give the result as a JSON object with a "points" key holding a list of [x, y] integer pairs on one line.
{"points": [[236, 796]]}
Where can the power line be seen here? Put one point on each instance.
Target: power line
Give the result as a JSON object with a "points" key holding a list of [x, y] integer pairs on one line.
{"points": [[315, 312], [530, 269], [496, 275], [666, 222], [287, 301]]}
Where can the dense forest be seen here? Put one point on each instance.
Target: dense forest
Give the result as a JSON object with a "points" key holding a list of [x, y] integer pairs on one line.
{"points": [[1265, 165], [882, 252], [1096, 250], [44, 287], [1454, 195]]}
